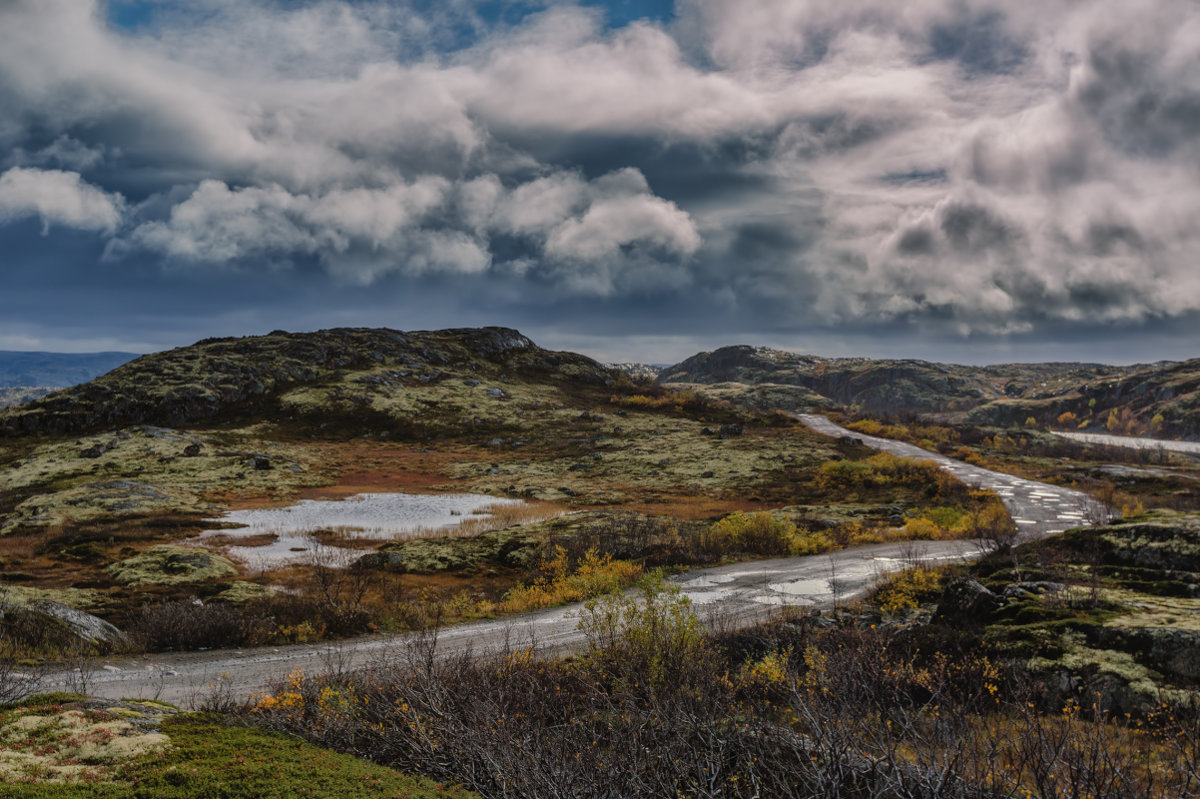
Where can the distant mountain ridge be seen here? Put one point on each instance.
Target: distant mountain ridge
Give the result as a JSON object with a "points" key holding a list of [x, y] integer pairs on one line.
{"points": [[1159, 398], [56, 369]]}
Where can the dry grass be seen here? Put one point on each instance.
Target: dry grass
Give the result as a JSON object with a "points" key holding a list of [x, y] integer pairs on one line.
{"points": [[493, 517]]}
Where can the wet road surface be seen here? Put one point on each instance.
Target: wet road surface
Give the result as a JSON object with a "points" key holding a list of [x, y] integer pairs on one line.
{"points": [[1133, 442], [1037, 508], [738, 593]]}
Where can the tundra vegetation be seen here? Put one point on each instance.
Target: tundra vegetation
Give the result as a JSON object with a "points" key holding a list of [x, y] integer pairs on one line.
{"points": [[1064, 667]]}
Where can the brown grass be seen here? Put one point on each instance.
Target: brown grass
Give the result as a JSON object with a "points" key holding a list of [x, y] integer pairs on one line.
{"points": [[695, 507], [494, 517], [260, 540]]}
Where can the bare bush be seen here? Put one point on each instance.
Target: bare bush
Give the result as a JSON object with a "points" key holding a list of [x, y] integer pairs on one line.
{"points": [[655, 708], [190, 624]]}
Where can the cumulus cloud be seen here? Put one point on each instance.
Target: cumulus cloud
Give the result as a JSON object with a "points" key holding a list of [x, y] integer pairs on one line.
{"points": [[58, 197], [983, 165]]}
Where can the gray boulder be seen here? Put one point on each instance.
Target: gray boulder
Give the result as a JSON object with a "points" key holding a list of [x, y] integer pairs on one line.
{"points": [[85, 627]]}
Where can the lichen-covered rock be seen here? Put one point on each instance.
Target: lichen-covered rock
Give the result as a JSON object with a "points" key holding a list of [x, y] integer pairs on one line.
{"points": [[168, 565]]}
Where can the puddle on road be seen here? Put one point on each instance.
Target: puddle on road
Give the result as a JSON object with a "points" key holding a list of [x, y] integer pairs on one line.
{"points": [[383, 517]]}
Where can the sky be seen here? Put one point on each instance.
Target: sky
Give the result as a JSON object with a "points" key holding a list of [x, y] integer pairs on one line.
{"points": [[966, 180]]}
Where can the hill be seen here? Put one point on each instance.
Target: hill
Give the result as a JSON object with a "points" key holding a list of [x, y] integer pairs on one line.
{"points": [[1158, 398], [355, 370], [26, 369]]}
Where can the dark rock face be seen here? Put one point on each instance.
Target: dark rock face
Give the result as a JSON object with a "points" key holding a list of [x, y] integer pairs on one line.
{"points": [[1169, 650], [965, 599]]}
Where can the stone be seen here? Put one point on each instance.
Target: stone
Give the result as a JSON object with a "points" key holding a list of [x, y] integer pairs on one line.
{"points": [[191, 450], [729, 430], [966, 598], [261, 464], [85, 626], [94, 451], [1036, 587]]}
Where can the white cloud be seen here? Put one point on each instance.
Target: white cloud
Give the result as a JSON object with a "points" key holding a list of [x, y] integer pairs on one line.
{"points": [[58, 198], [989, 164]]}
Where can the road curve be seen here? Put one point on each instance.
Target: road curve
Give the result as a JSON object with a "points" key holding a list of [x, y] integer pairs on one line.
{"points": [[1038, 508], [736, 593]]}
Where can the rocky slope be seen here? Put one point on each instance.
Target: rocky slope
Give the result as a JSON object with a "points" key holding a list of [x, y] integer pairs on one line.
{"points": [[1156, 398], [220, 379]]}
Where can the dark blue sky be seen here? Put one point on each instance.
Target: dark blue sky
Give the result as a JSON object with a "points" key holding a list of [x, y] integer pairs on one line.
{"points": [[637, 180]]}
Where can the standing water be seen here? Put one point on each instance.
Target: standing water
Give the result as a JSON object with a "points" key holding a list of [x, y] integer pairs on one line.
{"points": [[379, 516]]}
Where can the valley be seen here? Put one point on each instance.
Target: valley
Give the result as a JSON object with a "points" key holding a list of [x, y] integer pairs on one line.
{"points": [[248, 524]]}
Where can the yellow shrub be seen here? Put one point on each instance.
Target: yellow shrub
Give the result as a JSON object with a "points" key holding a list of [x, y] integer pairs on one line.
{"points": [[906, 590], [922, 529], [594, 576], [762, 534]]}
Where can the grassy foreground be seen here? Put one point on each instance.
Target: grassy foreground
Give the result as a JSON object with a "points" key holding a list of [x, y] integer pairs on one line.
{"points": [[189, 755]]}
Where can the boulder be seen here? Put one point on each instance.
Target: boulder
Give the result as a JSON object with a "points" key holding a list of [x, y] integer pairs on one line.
{"points": [[60, 623], [1037, 587], [729, 430], [191, 450], [85, 625], [965, 599]]}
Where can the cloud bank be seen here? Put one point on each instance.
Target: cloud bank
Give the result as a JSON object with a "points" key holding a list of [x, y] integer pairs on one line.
{"points": [[973, 166]]}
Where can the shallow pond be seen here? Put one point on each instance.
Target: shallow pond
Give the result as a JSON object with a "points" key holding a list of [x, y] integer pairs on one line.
{"points": [[384, 517]]}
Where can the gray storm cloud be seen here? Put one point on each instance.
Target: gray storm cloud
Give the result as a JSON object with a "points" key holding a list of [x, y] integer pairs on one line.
{"points": [[986, 165]]}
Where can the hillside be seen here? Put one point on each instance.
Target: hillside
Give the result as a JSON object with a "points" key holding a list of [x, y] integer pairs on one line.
{"points": [[1156, 398], [221, 379], [22, 369]]}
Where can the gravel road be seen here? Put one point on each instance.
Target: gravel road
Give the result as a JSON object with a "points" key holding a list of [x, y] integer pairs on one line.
{"points": [[737, 593], [1037, 508], [1133, 442]]}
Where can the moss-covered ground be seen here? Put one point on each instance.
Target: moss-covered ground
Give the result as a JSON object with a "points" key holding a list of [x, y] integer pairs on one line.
{"points": [[65, 746]]}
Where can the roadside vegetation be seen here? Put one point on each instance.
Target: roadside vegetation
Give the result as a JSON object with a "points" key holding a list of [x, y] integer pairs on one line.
{"points": [[656, 706]]}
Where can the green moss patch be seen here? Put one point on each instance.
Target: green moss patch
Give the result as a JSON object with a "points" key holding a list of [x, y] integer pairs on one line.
{"points": [[204, 755]]}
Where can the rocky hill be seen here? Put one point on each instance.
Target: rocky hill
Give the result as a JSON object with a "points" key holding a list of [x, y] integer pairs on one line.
{"points": [[1158, 398], [26, 369], [240, 378]]}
